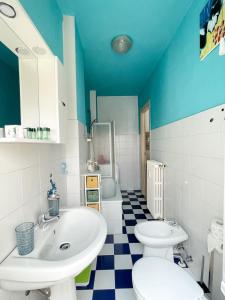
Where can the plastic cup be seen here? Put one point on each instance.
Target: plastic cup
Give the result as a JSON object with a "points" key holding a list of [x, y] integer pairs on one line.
{"points": [[25, 237]]}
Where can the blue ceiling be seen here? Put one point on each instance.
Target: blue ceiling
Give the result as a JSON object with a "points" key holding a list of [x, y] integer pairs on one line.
{"points": [[151, 24]]}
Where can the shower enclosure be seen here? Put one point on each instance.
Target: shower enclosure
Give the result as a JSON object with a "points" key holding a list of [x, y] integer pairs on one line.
{"points": [[103, 142]]}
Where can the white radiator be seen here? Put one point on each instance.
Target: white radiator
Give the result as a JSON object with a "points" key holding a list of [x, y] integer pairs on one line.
{"points": [[155, 171]]}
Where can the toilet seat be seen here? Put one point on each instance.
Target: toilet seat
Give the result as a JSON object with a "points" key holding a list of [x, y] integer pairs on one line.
{"points": [[156, 278]]}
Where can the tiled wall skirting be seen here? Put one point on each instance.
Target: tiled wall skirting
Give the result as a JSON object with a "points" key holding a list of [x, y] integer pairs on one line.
{"points": [[193, 151]]}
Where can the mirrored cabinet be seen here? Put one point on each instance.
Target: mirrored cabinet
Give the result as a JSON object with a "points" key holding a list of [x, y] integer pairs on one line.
{"points": [[33, 106]]}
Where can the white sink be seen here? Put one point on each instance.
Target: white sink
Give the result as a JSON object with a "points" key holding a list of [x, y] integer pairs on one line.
{"points": [[80, 232]]}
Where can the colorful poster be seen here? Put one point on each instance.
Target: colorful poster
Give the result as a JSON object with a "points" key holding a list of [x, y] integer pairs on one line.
{"points": [[212, 26]]}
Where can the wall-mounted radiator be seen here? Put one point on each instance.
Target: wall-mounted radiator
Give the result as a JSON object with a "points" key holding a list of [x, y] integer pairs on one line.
{"points": [[155, 174]]}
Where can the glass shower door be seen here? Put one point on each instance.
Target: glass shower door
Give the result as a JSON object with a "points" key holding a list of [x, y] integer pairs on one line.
{"points": [[102, 142]]}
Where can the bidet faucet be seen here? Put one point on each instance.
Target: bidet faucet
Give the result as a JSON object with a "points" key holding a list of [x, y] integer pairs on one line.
{"points": [[45, 219]]}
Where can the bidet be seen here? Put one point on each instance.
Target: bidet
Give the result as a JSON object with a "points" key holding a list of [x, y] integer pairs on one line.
{"points": [[159, 237]]}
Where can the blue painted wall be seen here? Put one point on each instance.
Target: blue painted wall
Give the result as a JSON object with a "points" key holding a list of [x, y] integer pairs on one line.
{"points": [[181, 85], [9, 95], [81, 101], [47, 17]]}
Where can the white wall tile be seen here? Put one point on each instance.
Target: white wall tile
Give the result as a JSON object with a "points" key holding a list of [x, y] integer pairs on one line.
{"points": [[11, 197], [76, 158], [193, 152], [73, 166], [15, 163], [72, 132], [73, 200], [32, 208], [73, 184], [24, 181], [5, 295], [72, 147], [7, 232], [30, 183], [124, 111], [29, 154], [83, 157]]}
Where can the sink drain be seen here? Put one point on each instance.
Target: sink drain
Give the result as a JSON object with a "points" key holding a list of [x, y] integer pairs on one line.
{"points": [[64, 246]]}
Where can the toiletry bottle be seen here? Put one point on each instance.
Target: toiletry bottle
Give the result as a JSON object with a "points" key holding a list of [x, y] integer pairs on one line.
{"points": [[53, 199], [39, 133]]}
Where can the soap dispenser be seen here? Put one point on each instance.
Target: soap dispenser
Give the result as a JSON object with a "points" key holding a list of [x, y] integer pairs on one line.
{"points": [[53, 199]]}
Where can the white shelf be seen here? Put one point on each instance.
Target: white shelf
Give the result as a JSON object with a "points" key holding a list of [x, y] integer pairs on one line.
{"points": [[27, 141], [86, 189]]}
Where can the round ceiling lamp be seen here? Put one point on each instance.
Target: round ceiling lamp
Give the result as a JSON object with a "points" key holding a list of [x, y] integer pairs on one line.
{"points": [[121, 44], [7, 10]]}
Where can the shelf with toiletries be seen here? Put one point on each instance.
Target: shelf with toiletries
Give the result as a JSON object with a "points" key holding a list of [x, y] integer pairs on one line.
{"points": [[25, 140], [18, 134]]}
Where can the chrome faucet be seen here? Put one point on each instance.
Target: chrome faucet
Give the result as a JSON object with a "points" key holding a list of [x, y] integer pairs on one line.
{"points": [[44, 219]]}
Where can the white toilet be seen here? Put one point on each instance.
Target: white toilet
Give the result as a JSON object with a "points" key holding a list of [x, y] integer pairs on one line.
{"points": [[156, 278], [159, 238]]}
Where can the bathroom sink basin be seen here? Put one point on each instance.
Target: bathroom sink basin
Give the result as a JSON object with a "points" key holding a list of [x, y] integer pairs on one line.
{"points": [[62, 250]]}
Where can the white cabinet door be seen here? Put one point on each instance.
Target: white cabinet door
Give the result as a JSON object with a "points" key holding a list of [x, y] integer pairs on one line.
{"points": [[52, 97], [62, 102]]}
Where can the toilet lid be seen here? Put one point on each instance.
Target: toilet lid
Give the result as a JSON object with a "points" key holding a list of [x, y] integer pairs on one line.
{"points": [[156, 278]]}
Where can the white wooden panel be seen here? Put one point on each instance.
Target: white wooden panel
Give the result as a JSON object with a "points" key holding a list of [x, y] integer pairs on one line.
{"points": [[29, 102], [48, 96], [69, 42], [62, 102]]}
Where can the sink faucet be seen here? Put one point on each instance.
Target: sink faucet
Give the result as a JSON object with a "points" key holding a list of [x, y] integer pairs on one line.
{"points": [[45, 219]]}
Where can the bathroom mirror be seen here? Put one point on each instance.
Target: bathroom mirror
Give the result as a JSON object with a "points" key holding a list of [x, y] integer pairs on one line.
{"points": [[19, 103], [9, 87]]}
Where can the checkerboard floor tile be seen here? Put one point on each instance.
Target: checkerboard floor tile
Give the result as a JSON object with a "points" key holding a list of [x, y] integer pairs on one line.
{"points": [[111, 275]]}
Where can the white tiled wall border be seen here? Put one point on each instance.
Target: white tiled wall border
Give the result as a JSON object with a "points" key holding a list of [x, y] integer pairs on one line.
{"points": [[193, 151]]}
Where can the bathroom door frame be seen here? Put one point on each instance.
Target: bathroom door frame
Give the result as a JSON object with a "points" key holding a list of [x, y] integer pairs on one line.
{"points": [[143, 151]]}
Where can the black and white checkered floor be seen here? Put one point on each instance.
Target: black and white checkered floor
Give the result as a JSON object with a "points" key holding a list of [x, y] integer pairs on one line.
{"points": [[111, 271]]}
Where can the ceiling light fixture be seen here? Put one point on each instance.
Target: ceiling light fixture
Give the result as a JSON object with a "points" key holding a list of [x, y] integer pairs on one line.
{"points": [[7, 10], [121, 44]]}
